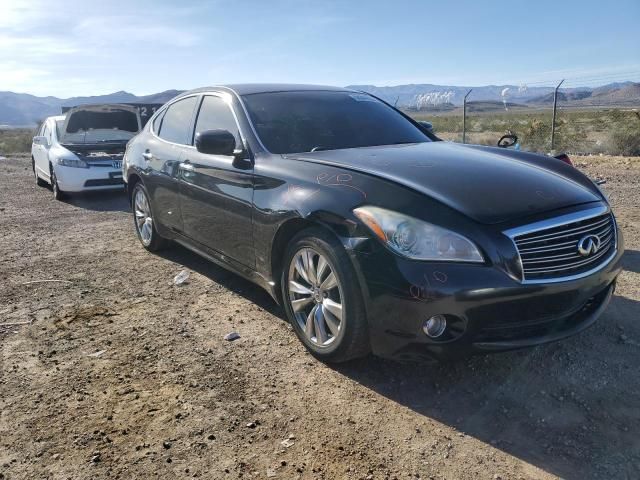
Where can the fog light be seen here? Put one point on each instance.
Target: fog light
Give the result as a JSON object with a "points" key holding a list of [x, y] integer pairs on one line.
{"points": [[435, 326]]}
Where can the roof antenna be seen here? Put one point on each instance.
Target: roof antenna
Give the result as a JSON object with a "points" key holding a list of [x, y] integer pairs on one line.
{"points": [[396, 102]]}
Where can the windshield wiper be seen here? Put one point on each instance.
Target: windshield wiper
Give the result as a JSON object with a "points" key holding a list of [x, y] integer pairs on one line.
{"points": [[319, 148]]}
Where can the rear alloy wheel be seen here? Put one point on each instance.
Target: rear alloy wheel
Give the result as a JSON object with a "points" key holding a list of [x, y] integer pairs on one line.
{"points": [[143, 220], [322, 297]]}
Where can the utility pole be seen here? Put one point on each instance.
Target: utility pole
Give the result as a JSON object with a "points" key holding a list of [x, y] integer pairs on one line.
{"points": [[553, 121], [464, 117]]}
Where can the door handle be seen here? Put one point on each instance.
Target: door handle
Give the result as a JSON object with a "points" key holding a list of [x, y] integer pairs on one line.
{"points": [[147, 155], [186, 165]]}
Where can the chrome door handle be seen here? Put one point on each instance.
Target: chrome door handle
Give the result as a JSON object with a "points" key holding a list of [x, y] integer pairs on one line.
{"points": [[186, 165], [147, 155]]}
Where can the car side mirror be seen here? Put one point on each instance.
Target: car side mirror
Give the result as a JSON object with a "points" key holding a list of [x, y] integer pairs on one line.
{"points": [[428, 126], [216, 142], [507, 141], [41, 140]]}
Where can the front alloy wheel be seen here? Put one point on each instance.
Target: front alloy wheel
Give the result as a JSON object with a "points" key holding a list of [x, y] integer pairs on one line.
{"points": [[316, 297], [55, 188], [323, 298]]}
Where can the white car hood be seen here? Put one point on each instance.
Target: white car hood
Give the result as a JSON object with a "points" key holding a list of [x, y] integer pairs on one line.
{"points": [[100, 123]]}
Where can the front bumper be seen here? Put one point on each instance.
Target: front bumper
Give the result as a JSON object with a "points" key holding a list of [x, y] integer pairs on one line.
{"points": [[71, 179], [487, 310]]}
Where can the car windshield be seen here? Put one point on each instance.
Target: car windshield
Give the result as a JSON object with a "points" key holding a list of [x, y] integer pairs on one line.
{"points": [[306, 121]]}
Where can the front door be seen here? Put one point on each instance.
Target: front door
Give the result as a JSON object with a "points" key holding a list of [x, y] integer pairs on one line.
{"points": [[41, 152], [216, 196]]}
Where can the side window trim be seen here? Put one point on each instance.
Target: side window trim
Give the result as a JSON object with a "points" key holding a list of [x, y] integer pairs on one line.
{"points": [[46, 132], [160, 117], [230, 107]]}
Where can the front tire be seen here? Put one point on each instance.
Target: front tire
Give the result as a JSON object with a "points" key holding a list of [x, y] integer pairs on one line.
{"points": [[143, 220], [322, 297], [55, 188]]}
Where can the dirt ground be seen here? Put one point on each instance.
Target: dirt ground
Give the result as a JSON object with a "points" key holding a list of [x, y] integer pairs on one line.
{"points": [[121, 374]]}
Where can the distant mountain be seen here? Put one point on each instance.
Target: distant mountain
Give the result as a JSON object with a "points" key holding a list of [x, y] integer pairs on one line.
{"points": [[621, 94], [21, 109], [426, 96]]}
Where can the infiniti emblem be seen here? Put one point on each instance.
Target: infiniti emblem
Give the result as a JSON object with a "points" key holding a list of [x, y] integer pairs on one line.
{"points": [[589, 245]]}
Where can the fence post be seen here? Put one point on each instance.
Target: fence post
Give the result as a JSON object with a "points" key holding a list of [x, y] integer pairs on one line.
{"points": [[553, 121], [464, 117]]}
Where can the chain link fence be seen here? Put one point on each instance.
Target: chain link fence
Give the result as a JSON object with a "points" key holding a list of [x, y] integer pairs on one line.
{"points": [[582, 126]]}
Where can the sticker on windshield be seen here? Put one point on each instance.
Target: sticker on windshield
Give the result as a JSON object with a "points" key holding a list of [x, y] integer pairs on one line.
{"points": [[361, 97]]}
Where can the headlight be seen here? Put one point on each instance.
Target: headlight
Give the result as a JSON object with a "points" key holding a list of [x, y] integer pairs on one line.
{"points": [[72, 162], [415, 239]]}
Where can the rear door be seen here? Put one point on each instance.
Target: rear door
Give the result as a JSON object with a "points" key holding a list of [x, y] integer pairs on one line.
{"points": [[216, 196], [171, 136]]}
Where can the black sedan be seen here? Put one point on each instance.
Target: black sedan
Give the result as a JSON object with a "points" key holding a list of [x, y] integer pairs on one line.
{"points": [[374, 235]]}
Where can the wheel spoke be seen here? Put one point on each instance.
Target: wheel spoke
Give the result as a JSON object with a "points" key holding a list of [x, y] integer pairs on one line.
{"points": [[309, 267], [330, 282], [322, 266], [319, 324], [308, 327], [333, 307], [332, 322], [146, 231], [300, 303], [301, 269], [298, 288]]}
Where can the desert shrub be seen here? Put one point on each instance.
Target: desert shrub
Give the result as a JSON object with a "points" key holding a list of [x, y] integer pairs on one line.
{"points": [[536, 135], [15, 140], [625, 140], [570, 136]]}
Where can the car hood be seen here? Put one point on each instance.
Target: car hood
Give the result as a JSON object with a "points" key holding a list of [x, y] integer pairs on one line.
{"points": [[113, 123], [489, 185]]}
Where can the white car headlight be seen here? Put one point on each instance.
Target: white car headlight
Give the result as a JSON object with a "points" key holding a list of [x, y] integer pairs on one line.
{"points": [[418, 240], [72, 162]]}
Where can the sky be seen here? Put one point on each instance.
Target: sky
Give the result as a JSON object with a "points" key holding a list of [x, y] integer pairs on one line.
{"points": [[71, 48]]}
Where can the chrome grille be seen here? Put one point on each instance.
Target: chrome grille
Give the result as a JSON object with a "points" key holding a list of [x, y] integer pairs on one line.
{"points": [[553, 252]]}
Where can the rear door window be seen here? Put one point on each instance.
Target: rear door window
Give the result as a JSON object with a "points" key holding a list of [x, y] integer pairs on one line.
{"points": [[176, 124]]}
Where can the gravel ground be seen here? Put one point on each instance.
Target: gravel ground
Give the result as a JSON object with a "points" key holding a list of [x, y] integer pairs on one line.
{"points": [[121, 374]]}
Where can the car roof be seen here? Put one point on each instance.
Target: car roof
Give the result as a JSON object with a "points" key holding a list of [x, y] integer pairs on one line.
{"points": [[251, 88]]}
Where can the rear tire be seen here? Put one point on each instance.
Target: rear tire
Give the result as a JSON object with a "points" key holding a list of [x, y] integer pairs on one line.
{"points": [[322, 297], [39, 181], [57, 193], [143, 220]]}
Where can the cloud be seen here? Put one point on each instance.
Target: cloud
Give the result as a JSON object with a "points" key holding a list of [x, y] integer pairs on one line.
{"points": [[126, 30], [14, 73]]}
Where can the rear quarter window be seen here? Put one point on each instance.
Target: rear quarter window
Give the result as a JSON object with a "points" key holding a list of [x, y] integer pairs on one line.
{"points": [[176, 124]]}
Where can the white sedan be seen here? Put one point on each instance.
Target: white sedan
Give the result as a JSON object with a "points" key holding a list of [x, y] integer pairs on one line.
{"points": [[83, 149]]}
